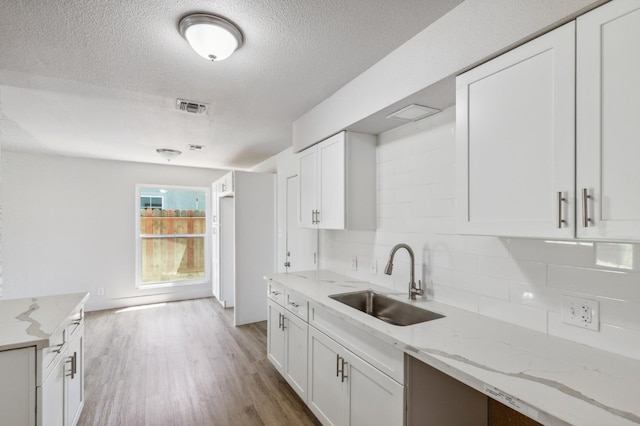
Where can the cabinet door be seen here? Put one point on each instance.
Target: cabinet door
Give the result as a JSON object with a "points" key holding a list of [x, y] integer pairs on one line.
{"points": [[326, 397], [18, 386], [74, 379], [308, 172], [295, 370], [51, 402], [608, 129], [332, 183], [276, 336], [515, 141], [374, 398]]}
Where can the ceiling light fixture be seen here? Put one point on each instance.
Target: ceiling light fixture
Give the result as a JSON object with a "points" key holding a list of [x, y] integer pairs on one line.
{"points": [[212, 37], [169, 154]]}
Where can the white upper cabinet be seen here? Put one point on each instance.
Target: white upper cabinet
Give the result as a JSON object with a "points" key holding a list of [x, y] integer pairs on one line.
{"points": [[516, 141], [338, 183], [608, 122]]}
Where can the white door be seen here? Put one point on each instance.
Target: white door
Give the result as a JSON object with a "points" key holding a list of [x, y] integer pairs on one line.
{"points": [[332, 181], [74, 385], [275, 336], [608, 124], [515, 141], [374, 398], [326, 393], [51, 403], [308, 173], [301, 243], [295, 370]]}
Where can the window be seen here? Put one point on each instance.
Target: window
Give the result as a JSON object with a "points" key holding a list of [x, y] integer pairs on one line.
{"points": [[151, 202], [172, 244]]}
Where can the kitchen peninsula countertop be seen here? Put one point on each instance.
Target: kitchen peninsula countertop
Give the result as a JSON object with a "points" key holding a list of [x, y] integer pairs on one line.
{"points": [[32, 321], [551, 379]]}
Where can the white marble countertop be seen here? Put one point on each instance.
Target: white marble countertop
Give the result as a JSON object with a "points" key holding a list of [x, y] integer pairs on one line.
{"points": [[554, 380], [32, 321]]}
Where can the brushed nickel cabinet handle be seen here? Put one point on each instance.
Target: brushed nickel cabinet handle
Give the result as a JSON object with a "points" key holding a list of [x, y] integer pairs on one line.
{"points": [[337, 365], [344, 375], [317, 216], [294, 304], [74, 365], [585, 208], [561, 199]]}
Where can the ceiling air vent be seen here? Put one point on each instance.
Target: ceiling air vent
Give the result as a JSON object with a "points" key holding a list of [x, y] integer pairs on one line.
{"points": [[191, 106]]}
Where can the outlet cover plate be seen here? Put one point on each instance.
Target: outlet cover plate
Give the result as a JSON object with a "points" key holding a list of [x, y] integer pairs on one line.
{"points": [[354, 263], [583, 313]]}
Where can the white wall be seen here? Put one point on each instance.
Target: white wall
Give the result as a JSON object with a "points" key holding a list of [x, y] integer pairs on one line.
{"points": [[69, 226], [516, 280], [284, 164]]}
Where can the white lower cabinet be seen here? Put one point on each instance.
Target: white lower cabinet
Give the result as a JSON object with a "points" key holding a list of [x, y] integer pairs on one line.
{"points": [[287, 347], [344, 375], [61, 395], [18, 386], [346, 390]]}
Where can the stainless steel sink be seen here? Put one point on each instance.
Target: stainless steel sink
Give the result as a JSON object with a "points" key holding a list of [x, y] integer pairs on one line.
{"points": [[385, 308]]}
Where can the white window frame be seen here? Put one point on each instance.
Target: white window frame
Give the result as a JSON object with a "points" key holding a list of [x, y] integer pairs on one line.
{"points": [[206, 235]]}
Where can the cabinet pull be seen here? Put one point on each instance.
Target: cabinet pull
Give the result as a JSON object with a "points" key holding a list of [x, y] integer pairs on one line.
{"points": [[280, 321], [337, 365], [275, 293], [343, 371], [73, 360], [317, 216], [74, 365], [561, 199], [57, 348], [585, 208], [294, 304], [313, 217]]}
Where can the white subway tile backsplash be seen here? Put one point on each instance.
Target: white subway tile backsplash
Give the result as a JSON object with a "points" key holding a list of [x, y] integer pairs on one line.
{"points": [[624, 341], [620, 313], [612, 284], [522, 315], [520, 281], [536, 296], [527, 272], [454, 297], [464, 262], [481, 285]]}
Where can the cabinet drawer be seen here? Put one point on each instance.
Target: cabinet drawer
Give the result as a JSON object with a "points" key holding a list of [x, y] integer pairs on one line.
{"points": [[276, 292], [298, 305], [383, 356], [75, 321], [48, 357]]}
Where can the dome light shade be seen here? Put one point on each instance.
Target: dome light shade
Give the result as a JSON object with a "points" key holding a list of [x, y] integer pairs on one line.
{"points": [[168, 154], [212, 37]]}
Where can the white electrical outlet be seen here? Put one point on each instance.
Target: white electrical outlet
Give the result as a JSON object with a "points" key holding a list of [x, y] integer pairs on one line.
{"points": [[373, 268], [354, 263], [100, 291], [581, 312]]}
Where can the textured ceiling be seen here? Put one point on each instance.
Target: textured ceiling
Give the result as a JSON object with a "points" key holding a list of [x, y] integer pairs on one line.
{"points": [[99, 79]]}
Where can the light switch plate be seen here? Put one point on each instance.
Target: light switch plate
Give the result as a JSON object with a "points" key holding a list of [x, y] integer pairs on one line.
{"points": [[584, 313], [354, 263]]}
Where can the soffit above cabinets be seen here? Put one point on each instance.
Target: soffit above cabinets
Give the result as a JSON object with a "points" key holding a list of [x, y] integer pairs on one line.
{"points": [[440, 95]]}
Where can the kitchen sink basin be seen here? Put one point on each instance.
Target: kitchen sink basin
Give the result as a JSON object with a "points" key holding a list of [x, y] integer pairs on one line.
{"points": [[385, 308]]}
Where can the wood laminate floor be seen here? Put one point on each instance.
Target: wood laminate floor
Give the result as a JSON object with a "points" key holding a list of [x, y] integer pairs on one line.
{"points": [[183, 364]]}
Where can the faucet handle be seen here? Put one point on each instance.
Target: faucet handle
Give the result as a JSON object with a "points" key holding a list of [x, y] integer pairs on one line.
{"points": [[416, 291]]}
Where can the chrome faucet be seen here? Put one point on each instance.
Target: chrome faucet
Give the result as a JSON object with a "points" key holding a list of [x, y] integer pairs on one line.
{"points": [[413, 290]]}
